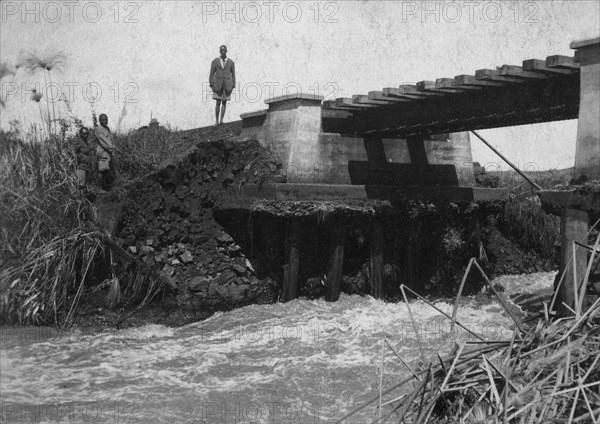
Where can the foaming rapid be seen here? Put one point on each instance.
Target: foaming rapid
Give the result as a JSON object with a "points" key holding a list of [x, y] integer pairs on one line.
{"points": [[298, 362]]}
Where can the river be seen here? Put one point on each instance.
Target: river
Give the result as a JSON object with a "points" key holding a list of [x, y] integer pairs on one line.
{"points": [[306, 362]]}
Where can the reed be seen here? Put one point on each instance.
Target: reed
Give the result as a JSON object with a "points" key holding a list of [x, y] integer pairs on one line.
{"points": [[45, 63], [548, 372], [558, 382], [52, 244], [523, 221]]}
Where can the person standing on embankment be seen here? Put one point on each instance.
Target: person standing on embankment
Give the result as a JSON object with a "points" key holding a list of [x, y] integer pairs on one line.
{"points": [[104, 152], [222, 82], [84, 153]]}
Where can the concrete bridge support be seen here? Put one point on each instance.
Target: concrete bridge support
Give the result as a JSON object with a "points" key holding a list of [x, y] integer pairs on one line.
{"points": [[574, 223], [587, 150], [291, 129]]}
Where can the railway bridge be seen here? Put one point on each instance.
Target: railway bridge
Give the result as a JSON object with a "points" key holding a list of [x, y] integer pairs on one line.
{"points": [[413, 142]]}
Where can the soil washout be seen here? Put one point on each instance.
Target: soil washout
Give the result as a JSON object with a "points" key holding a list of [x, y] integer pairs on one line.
{"points": [[215, 254]]}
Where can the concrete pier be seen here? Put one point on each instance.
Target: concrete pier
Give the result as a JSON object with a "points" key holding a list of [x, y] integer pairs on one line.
{"points": [[587, 151], [291, 129]]}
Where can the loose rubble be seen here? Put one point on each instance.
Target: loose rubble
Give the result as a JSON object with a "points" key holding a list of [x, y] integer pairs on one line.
{"points": [[168, 222]]}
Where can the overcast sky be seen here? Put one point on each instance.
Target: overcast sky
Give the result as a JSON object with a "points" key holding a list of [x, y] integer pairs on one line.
{"points": [[153, 58]]}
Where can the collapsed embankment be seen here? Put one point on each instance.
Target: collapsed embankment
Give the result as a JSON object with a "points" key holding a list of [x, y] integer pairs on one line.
{"points": [[183, 239], [216, 251], [167, 220]]}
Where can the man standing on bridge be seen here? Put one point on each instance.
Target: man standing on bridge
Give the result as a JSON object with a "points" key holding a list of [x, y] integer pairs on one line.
{"points": [[222, 81]]}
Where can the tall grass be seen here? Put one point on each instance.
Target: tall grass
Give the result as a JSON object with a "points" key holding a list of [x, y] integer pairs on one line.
{"points": [[145, 151], [51, 241], [546, 179], [526, 223]]}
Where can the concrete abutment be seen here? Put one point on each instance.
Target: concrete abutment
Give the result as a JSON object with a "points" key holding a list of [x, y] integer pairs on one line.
{"points": [[291, 129], [587, 150]]}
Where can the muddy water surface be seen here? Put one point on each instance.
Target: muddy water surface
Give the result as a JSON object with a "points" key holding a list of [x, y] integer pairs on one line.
{"points": [[299, 362]]}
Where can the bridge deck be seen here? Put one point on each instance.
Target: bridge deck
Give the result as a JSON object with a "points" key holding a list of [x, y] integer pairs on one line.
{"points": [[537, 91]]}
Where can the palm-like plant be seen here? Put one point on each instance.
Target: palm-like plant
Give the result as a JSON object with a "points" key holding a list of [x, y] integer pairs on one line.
{"points": [[36, 96], [33, 63]]}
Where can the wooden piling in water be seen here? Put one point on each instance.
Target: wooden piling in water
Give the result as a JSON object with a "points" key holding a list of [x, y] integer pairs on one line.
{"points": [[290, 278], [573, 227], [334, 274], [376, 247]]}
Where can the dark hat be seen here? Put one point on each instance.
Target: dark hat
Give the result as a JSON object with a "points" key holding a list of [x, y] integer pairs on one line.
{"points": [[223, 47]]}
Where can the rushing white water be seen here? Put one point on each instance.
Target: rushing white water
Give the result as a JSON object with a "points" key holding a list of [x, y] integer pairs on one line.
{"points": [[299, 362]]}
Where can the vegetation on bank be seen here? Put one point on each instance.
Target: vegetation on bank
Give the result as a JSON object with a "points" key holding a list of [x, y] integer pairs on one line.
{"points": [[54, 249], [524, 222], [545, 179]]}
